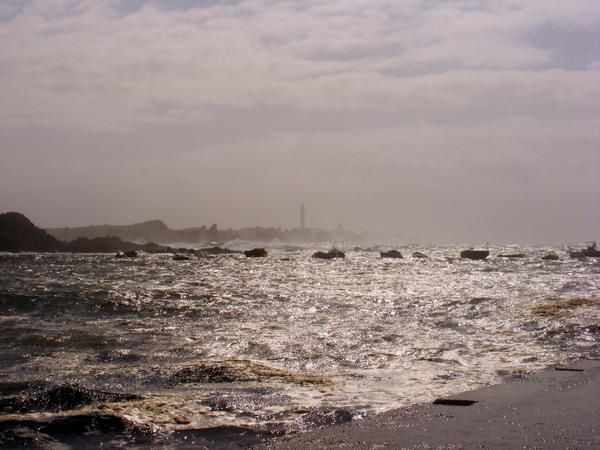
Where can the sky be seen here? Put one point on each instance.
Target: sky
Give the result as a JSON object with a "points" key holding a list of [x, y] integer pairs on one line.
{"points": [[431, 120]]}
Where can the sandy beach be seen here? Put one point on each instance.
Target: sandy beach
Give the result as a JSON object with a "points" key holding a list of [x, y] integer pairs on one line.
{"points": [[552, 409]]}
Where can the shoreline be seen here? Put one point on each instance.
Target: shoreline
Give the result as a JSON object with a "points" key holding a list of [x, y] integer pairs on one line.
{"points": [[552, 408]]}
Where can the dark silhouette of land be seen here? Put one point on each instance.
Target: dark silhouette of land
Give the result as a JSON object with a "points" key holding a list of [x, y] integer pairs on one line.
{"points": [[157, 231]]}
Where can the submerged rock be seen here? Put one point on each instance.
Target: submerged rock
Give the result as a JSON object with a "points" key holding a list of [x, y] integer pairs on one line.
{"points": [[256, 253], [551, 257], [60, 398], [512, 255], [391, 254], [179, 257], [475, 254], [216, 250], [231, 371], [331, 254], [419, 255]]}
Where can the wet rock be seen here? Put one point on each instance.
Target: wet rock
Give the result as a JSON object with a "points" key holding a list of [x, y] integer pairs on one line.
{"points": [[319, 418], [550, 257], [512, 255], [561, 308], [590, 252], [331, 254], [256, 253], [180, 257], [391, 254], [60, 398], [474, 254], [419, 255], [216, 250], [78, 431], [240, 370]]}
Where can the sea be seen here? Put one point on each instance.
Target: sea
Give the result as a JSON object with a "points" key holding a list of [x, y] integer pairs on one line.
{"points": [[281, 344]]}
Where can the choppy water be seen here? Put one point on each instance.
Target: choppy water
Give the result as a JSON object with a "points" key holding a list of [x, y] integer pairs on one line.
{"points": [[230, 340]]}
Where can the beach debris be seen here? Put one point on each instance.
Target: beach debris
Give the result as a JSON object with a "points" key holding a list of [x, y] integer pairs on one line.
{"points": [[256, 253], [561, 308], [474, 254], [453, 402], [419, 255], [391, 254], [331, 254]]}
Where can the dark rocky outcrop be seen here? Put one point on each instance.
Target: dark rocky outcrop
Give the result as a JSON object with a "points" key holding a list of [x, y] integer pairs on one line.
{"points": [[180, 257], [419, 255], [474, 254], [18, 234], [331, 254], [391, 254], [512, 255], [590, 252], [256, 253]]}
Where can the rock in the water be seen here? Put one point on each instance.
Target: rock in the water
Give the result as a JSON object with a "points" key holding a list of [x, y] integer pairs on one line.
{"points": [[474, 254], [419, 255], [391, 254], [331, 254], [551, 257], [256, 253], [179, 257], [512, 255], [127, 254], [215, 250], [591, 252], [60, 398]]}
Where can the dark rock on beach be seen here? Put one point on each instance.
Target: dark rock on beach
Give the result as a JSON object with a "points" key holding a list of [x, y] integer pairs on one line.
{"points": [[77, 431], [391, 254], [256, 253]]}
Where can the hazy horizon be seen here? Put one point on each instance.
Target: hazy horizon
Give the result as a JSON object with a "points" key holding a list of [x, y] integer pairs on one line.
{"points": [[462, 121]]}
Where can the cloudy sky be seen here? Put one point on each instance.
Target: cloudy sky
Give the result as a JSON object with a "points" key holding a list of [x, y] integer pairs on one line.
{"points": [[441, 120]]}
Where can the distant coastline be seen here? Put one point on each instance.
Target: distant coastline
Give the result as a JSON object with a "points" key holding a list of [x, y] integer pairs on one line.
{"points": [[157, 231]]}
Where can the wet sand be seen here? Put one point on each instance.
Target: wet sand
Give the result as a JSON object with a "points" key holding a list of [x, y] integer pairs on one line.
{"points": [[552, 409]]}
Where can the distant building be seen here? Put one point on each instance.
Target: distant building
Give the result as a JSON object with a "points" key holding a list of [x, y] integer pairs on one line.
{"points": [[302, 223]]}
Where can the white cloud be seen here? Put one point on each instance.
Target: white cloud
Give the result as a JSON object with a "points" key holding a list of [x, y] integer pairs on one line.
{"points": [[79, 63]]}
